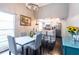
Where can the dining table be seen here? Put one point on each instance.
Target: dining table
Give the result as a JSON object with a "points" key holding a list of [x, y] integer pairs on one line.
{"points": [[24, 40]]}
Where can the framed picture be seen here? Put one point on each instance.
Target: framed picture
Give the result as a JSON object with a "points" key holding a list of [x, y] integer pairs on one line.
{"points": [[25, 20]]}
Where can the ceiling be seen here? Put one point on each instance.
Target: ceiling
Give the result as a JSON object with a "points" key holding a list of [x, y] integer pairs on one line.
{"points": [[40, 4]]}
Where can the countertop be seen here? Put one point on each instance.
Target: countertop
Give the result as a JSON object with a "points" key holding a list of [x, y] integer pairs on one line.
{"points": [[69, 41]]}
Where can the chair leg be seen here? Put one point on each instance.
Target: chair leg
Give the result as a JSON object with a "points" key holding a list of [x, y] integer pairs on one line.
{"points": [[40, 50], [9, 52], [34, 52], [29, 51], [26, 51]]}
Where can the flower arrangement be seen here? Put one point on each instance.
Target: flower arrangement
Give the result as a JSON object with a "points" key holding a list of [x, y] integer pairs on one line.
{"points": [[73, 30]]}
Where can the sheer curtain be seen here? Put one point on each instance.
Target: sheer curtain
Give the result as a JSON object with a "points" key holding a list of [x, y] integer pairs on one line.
{"points": [[7, 21]]}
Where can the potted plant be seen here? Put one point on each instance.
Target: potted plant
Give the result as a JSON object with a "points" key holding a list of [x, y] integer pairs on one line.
{"points": [[32, 33]]}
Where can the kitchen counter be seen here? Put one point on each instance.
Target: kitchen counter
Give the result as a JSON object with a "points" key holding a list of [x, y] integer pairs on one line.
{"points": [[69, 46]]}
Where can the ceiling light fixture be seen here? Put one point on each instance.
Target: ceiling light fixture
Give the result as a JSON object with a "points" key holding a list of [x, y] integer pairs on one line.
{"points": [[34, 9], [32, 6]]}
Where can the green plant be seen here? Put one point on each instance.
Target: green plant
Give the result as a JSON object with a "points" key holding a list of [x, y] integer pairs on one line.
{"points": [[31, 33]]}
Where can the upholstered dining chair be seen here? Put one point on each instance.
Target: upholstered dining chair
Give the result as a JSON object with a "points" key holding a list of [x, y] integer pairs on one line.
{"points": [[35, 45], [13, 47], [49, 40], [51, 36]]}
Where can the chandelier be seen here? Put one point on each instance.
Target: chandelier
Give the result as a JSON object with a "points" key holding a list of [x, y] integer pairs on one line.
{"points": [[34, 9], [32, 6]]}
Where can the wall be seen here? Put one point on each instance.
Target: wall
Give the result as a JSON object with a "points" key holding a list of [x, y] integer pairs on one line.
{"points": [[73, 9], [73, 18], [63, 30], [18, 9], [53, 10]]}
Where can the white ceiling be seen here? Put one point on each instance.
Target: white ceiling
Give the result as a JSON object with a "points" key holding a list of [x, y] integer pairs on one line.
{"points": [[41, 4]]}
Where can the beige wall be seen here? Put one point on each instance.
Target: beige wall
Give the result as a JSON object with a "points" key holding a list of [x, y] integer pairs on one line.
{"points": [[68, 11], [53, 10], [73, 18], [18, 9], [58, 10]]}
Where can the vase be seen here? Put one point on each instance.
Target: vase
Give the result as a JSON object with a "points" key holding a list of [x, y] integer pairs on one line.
{"points": [[75, 38]]}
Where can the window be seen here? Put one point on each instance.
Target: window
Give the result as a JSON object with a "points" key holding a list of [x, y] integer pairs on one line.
{"points": [[6, 28]]}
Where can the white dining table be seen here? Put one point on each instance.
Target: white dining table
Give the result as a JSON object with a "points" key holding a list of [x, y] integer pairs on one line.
{"points": [[24, 40]]}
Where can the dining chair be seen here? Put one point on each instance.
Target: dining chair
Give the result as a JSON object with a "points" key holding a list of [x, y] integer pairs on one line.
{"points": [[13, 47], [49, 40], [51, 36], [35, 45]]}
